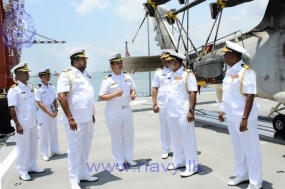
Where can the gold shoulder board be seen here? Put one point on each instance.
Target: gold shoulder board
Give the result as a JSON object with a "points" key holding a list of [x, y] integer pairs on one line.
{"points": [[67, 70], [107, 76], [158, 69], [245, 66], [187, 70]]}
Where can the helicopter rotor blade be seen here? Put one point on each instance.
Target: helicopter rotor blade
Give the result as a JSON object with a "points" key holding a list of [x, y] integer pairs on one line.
{"points": [[188, 6]]}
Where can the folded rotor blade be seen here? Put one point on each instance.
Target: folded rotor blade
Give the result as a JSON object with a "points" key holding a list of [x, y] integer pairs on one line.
{"points": [[188, 6], [140, 27]]}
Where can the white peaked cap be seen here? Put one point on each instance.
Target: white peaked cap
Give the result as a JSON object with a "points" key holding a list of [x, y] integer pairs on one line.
{"points": [[77, 53], [23, 66], [175, 55], [230, 47], [44, 71], [115, 57]]}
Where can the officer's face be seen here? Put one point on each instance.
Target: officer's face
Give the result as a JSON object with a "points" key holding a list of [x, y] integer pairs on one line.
{"points": [[171, 64], [117, 65], [23, 76], [45, 78], [164, 62], [80, 63], [227, 58]]}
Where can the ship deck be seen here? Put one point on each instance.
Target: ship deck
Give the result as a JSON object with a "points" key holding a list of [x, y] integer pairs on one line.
{"points": [[215, 155]]}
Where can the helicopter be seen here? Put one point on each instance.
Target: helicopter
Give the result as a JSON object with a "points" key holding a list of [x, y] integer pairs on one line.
{"points": [[265, 44]]}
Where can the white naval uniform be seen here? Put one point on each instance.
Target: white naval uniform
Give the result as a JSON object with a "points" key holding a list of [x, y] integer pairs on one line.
{"points": [[119, 117], [81, 103], [182, 132], [246, 144], [48, 125], [22, 98], [160, 81]]}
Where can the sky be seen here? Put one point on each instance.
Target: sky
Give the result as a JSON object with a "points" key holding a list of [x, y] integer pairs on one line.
{"points": [[102, 27]]}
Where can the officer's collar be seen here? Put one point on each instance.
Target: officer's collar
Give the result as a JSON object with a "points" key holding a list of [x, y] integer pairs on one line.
{"points": [[236, 66], [77, 70], [114, 75], [179, 71], [21, 84], [44, 84]]}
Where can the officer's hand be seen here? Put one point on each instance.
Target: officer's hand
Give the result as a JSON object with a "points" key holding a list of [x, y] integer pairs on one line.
{"points": [[55, 114], [190, 116], [155, 108], [243, 125], [119, 93], [221, 119], [19, 129], [73, 124], [93, 118], [133, 96], [51, 114]]}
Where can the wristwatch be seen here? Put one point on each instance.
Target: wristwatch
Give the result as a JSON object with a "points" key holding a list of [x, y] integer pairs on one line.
{"points": [[244, 117], [191, 110], [154, 104]]}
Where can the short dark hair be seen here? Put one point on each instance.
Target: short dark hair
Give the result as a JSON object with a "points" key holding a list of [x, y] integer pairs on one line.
{"points": [[237, 54], [72, 60]]}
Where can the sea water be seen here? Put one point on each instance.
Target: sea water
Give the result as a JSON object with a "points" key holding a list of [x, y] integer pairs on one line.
{"points": [[142, 80]]}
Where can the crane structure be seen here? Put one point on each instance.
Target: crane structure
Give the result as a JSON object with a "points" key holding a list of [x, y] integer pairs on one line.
{"points": [[10, 57]]}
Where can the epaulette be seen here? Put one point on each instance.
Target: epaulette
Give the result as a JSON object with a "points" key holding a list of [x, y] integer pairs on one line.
{"points": [[38, 86], [50, 83], [14, 85], [187, 70], [108, 76], [158, 69], [67, 70], [245, 66]]}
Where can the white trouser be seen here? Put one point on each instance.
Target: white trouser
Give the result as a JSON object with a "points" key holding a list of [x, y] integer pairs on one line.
{"points": [[48, 134], [183, 141], [27, 149], [79, 143], [121, 128], [164, 131], [247, 151]]}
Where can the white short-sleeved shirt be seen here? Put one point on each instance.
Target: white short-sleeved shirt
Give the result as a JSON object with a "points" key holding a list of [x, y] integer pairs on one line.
{"points": [[233, 100], [81, 94], [21, 96], [160, 81], [113, 83], [45, 94], [177, 97]]}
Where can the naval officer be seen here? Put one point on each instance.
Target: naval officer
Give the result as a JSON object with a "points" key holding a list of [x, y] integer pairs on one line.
{"points": [[22, 109], [159, 90], [46, 98], [179, 105], [118, 89], [239, 88], [76, 96]]}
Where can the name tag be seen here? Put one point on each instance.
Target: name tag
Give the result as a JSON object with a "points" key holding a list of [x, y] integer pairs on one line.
{"points": [[113, 84], [44, 92]]}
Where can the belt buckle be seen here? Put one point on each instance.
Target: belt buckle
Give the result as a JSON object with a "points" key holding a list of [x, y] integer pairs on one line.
{"points": [[123, 107]]}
